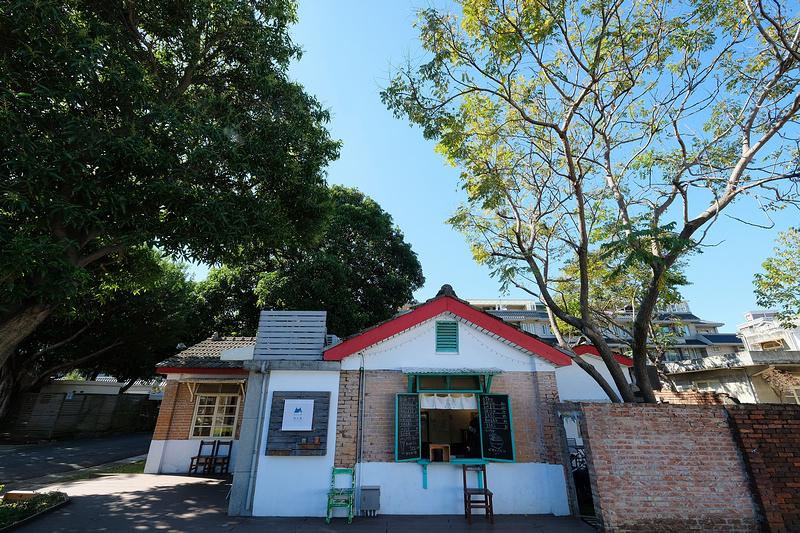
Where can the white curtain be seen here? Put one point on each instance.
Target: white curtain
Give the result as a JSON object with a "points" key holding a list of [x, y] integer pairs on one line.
{"points": [[448, 401]]}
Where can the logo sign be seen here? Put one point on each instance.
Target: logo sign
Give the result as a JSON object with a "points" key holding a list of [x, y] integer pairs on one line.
{"points": [[298, 415]]}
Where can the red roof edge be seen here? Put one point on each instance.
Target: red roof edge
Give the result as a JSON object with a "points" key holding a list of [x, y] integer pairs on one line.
{"points": [[192, 370], [591, 350], [437, 307]]}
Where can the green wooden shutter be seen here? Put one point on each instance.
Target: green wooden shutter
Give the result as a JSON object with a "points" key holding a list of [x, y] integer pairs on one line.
{"points": [[447, 336]]}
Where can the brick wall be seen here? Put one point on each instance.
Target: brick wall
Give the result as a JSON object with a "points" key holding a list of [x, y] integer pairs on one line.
{"points": [[531, 397], [694, 397], [380, 388], [177, 410], [666, 467], [346, 452], [769, 437]]}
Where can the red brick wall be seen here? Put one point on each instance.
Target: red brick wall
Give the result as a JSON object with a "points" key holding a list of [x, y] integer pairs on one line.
{"points": [[346, 453], [694, 398], [531, 397], [380, 388], [177, 410], [769, 437], [666, 467]]}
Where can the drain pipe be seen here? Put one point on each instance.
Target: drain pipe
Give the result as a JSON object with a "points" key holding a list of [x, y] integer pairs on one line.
{"points": [[360, 429], [260, 424]]}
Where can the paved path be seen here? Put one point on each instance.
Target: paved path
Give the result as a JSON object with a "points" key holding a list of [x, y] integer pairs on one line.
{"points": [[62, 458], [145, 502]]}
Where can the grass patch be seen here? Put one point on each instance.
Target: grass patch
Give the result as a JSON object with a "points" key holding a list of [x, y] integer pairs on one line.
{"points": [[12, 512], [131, 468]]}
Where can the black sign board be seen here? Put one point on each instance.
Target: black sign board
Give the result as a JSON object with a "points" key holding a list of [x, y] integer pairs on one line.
{"points": [[408, 446], [497, 438]]}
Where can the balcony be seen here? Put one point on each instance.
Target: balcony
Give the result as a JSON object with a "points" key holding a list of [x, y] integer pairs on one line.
{"points": [[735, 360]]}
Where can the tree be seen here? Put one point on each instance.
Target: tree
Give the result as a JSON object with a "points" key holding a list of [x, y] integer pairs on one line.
{"points": [[661, 112], [779, 285], [146, 123], [130, 318], [227, 303], [360, 272]]}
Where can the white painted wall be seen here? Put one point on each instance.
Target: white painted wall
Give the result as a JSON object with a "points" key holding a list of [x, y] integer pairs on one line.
{"points": [[575, 385], [175, 456], [296, 486], [519, 488], [416, 347]]}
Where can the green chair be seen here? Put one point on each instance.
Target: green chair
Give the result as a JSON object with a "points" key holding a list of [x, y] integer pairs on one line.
{"points": [[344, 496]]}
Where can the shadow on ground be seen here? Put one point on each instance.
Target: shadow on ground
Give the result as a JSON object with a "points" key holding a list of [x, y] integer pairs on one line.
{"points": [[146, 502]]}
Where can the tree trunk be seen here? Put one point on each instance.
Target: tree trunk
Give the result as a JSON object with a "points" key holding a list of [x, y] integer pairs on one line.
{"points": [[641, 329], [15, 328], [12, 332], [592, 371]]}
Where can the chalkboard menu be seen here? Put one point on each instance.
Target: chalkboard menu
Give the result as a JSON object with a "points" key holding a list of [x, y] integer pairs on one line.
{"points": [[496, 435], [407, 428]]}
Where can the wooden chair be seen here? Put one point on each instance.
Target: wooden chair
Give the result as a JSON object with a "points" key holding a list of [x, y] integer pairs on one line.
{"points": [[342, 496], [479, 497], [204, 460], [222, 459]]}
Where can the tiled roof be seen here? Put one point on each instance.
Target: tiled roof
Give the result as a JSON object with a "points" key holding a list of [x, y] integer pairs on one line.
{"points": [[691, 342], [723, 338], [518, 314], [206, 354]]}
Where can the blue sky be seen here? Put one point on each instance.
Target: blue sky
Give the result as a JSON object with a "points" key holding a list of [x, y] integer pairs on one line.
{"points": [[349, 49]]}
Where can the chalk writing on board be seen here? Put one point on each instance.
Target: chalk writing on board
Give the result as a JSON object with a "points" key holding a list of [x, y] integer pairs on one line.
{"points": [[497, 438], [408, 427]]}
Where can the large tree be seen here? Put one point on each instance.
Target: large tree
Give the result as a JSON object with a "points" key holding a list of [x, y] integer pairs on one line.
{"points": [[161, 123], [779, 285], [123, 323], [360, 272], [662, 112]]}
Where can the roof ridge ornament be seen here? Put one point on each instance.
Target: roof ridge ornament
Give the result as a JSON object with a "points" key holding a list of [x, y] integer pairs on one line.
{"points": [[446, 290]]}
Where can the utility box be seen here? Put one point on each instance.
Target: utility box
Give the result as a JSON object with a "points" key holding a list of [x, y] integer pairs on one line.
{"points": [[370, 499]]}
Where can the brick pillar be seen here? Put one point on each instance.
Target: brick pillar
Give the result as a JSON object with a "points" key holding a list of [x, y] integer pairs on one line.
{"points": [[346, 453]]}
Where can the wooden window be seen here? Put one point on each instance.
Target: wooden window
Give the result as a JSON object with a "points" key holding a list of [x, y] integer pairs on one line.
{"points": [[793, 396], [772, 345], [216, 411], [447, 337]]}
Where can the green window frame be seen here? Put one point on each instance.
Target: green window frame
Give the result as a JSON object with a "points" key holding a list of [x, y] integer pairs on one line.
{"points": [[446, 337], [494, 422]]}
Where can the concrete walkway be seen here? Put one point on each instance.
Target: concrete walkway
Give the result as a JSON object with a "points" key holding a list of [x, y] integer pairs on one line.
{"points": [[144, 502]]}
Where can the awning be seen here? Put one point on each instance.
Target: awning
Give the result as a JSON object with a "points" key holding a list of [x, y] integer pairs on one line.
{"points": [[451, 371], [192, 383]]}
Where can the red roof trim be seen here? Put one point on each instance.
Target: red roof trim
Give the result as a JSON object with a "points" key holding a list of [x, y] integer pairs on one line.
{"points": [[591, 350], [190, 370], [437, 307]]}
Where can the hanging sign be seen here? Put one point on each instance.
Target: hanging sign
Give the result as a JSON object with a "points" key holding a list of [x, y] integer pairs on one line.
{"points": [[298, 415]]}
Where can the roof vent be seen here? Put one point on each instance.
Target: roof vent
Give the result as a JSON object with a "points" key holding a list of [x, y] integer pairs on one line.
{"points": [[291, 335]]}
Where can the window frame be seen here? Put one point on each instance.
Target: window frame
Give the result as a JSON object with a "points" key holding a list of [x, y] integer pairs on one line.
{"points": [[483, 457], [216, 415], [793, 396], [445, 329]]}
